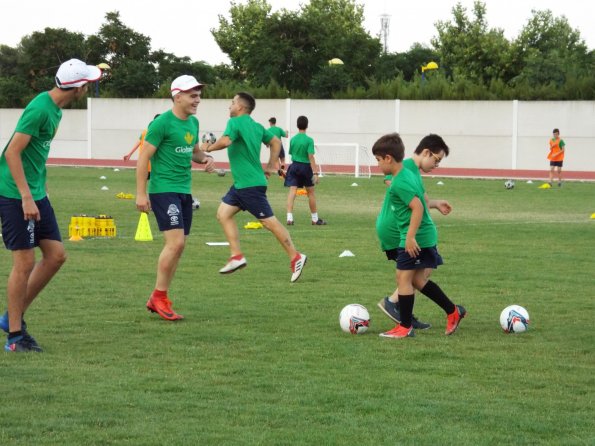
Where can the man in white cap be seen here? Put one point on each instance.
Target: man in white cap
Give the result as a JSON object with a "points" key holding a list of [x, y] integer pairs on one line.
{"points": [[171, 144], [28, 219]]}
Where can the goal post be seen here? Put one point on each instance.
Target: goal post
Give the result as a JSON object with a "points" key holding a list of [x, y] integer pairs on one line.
{"points": [[343, 158]]}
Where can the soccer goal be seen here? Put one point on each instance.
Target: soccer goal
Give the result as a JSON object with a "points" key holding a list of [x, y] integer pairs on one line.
{"points": [[343, 158]]}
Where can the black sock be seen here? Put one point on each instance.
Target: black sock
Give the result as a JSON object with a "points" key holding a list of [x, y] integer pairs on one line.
{"points": [[435, 293], [14, 334], [406, 302]]}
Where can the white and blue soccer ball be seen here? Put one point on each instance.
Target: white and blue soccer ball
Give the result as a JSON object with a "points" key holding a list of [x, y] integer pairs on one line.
{"points": [[209, 137], [354, 319], [509, 184], [195, 204], [514, 319]]}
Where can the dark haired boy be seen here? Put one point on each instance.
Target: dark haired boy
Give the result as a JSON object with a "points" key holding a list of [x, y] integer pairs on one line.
{"points": [[405, 205]]}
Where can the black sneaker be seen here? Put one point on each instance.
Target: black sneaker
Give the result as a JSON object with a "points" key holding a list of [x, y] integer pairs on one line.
{"points": [[34, 346], [319, 222], [391, 309], [21, 346], [419, 325]]}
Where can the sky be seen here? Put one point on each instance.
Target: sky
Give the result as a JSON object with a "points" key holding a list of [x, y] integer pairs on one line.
{"points": [[183, 27]]}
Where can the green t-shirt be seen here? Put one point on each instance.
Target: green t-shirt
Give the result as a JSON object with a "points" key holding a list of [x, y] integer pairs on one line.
{"points": [[300, 146], [277, 131], [40, 119], [392, 223], [171, 164], [247, 136]]}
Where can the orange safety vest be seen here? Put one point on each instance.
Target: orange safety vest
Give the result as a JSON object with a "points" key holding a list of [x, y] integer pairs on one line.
{"points": [[556, 152]]}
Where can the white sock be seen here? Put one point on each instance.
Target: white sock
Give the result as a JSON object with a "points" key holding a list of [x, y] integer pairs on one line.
{"points": [[314, 216], [290, 216]]}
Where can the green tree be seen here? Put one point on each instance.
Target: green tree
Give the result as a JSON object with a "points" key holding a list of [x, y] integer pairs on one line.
{"points": [[40, 54], [469, 49], [291, 48], [390, 65], [547, 50]]}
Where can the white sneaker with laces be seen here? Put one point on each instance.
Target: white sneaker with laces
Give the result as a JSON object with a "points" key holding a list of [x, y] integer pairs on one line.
{"points": [[297, 265], [233, 264]]}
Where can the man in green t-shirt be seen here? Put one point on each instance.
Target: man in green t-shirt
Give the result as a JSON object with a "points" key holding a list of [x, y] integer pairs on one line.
{"points": [[279, 133], [303, 172], [243, 138], [418, 237], [171, 144], [28, 219]]}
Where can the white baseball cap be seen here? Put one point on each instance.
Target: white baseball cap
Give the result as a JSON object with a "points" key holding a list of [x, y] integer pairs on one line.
{"points": [[184, 83], [76, 73]]}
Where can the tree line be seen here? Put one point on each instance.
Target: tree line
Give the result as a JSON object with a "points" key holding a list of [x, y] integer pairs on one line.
{"points": [[286, 54]]}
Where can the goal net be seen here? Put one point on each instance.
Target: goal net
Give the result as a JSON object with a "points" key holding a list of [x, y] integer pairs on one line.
{"points": [[343, 158]]}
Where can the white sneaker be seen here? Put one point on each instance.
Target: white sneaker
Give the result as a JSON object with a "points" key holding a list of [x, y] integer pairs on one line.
{"points": [[233, 264], [297, 265]]}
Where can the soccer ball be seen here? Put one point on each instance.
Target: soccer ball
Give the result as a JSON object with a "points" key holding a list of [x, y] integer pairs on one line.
{"points": [[514, 319], [509, 184], [195, 204], [221, 172], [354, 319], [209, 137]]}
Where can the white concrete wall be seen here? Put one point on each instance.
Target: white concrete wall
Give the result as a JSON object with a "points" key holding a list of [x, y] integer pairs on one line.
{"points": [[481, 134]]}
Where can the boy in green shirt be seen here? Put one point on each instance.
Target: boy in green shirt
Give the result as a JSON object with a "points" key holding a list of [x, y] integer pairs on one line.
{"points": [[243, 138], [427, 156], [407, 208], [28, 219], [303, 172], [279, 133]]}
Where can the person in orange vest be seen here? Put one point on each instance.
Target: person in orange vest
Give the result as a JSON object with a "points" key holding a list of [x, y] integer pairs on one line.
{"points": [[556, 156]]}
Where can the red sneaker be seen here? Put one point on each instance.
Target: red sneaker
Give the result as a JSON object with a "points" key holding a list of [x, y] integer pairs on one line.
{"points": [[162, 306], [454, 319], [399, 332]]}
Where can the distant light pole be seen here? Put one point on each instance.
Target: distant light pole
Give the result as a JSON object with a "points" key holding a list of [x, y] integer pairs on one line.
{"points": [[103, 67], [429, 66]]}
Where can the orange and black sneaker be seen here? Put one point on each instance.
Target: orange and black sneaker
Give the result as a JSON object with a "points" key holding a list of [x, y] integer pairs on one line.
{"points": [[399, 332], [454, 319], [162, 306]]}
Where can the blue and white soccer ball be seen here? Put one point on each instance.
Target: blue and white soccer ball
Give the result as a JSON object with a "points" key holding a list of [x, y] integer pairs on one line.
{"points": [[509, 184], [195, 204], [514, 319], [354, 319]]}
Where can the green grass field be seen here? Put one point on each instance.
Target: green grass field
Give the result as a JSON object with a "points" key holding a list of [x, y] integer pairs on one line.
{"points": [[261, 361]]}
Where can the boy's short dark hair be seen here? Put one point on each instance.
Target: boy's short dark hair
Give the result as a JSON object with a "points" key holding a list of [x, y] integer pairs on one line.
{"points": [[302, 122], [390, 144], [248, 100], [556, 131], [434, 143], [273, 120]]}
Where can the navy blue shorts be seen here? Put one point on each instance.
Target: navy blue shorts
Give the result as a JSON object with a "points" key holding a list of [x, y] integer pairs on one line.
{"points": [[172, 211], [19, 233], [556, 163], [251, 199], [299, 175], [427, 258]]}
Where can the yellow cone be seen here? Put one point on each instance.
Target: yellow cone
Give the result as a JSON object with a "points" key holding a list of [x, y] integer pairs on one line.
{"points": [[143, 230], [76, 235], [545, 186], [593, 216]]}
